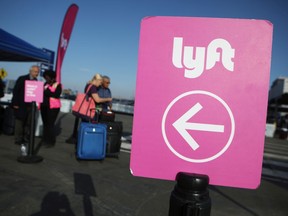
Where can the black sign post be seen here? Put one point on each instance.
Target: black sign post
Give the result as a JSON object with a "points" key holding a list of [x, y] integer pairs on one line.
{"points": [[190, 196], [31, 157], [33, 94]]}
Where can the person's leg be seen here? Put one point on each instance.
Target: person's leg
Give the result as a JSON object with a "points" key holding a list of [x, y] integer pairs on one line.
{"points": [[18, 131], [27, 125], [75, 129], [52, 114], [73, 138], [45, 117]]}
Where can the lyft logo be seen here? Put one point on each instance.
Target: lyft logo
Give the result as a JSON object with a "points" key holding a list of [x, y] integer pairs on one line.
{"points": [[64, 42], [195, 63]]}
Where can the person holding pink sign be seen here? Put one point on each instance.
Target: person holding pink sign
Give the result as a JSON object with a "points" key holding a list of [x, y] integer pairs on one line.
{"points": [[50, 107], [22, 110]]}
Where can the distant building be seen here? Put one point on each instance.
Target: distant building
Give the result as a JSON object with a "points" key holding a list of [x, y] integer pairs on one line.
{"points": [[278, 98], [278, 88]]}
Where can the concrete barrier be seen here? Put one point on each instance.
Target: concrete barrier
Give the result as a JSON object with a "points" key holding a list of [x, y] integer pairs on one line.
{"points": [[270, 130], [66, 106]]}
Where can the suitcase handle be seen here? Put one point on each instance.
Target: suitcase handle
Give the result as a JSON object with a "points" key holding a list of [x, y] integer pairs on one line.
{"points": [[96, 114]]}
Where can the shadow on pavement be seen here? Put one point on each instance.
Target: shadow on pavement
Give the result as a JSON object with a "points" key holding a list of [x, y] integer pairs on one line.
{"points": [[84, 186], [56, 204], [249, 211]]}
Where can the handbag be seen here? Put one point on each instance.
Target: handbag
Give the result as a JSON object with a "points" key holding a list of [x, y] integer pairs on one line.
{"points": [[84, 106], [106, 116]]}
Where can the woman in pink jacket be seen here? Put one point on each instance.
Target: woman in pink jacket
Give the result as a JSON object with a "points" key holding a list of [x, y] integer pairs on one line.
{"points": [[50, 107]]}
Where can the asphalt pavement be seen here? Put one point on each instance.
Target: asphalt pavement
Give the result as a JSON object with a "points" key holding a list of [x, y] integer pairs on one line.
{"points": [[62, 185]]}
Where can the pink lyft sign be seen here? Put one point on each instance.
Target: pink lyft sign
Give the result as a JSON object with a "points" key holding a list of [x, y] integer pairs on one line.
{"points": [[33, 91], [201, 99]]}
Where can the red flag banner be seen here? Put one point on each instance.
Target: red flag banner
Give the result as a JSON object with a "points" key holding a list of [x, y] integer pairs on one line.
{"points": [[64, 38]]}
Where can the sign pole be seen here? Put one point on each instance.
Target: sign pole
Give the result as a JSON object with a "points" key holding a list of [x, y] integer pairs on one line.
{"points": [[190, 196], [30, 157]]}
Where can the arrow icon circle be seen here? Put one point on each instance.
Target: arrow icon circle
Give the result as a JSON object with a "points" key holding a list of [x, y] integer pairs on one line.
{"points": [[191, 122], [182, 126]]}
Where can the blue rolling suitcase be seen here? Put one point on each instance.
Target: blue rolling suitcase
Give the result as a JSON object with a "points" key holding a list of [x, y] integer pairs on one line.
{"points": [[91, 143]]}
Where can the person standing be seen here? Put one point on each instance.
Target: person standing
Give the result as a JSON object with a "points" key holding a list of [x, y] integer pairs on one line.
{"points": [[22, 110], [3, 74], [105, 92], [1, 108], [50, 107], [93, 91], [2, 86]]}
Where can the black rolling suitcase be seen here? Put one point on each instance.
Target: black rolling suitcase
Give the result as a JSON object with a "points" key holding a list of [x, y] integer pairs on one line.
{"points": [[114, 134]]}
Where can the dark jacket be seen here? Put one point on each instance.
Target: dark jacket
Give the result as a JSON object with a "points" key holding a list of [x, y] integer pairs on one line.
{"points": [[1, 88], [18, 98], [47, 94]]}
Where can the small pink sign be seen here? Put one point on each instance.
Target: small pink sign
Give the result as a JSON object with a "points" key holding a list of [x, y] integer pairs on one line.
{"points": [[34, 91], [201, 99]]}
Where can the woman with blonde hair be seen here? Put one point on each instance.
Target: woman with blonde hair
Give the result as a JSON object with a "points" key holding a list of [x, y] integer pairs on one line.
{"points": [[93, 85]]}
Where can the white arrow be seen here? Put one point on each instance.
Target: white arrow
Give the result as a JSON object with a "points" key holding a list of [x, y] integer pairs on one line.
{"points": [[181, 125]]}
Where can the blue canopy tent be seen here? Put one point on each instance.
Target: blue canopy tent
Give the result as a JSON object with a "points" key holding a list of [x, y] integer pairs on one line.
{"points": [[15, 49]]}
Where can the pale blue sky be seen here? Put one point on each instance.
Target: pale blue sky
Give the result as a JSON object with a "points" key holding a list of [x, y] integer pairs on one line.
{"points": [[106, 33]]}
